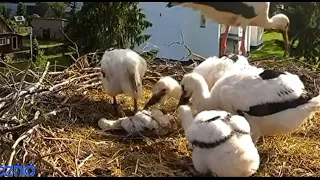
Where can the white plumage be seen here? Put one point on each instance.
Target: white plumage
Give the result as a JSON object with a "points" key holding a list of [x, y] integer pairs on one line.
{"points": [[122, 72], [212, 69], [272, 102], [221, 143], [241, 14], [154, 122]]}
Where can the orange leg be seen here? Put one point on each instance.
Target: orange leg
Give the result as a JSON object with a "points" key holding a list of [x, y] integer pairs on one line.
{"points": [[243, 47], [223, 45]]}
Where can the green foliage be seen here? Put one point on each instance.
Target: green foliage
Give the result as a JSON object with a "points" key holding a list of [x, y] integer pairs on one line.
{"points": [[304, 28], [5, 12], [22, 10], [38, 54], [101, 25], [41, 60], [35, 48], [58, 7]]}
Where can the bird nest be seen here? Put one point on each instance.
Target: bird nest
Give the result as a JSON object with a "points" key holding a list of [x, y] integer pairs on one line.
{"points": [[51, 123]]}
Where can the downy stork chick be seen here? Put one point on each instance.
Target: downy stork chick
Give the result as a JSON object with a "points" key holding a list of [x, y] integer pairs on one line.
{"points": [[212, 69], [154, 122], [273, 102], [165, 88], [122, 72], [241, 14], [221, 143]]}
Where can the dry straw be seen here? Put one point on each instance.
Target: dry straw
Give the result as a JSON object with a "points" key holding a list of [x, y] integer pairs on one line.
{"points": [[54, 126]]}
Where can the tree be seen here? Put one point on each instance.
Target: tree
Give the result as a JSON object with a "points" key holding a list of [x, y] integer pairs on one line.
{"points": [[101, 25], [35, 48], [72, 17], [5, 12], [58, 7], [304, 29], [22, 10]]}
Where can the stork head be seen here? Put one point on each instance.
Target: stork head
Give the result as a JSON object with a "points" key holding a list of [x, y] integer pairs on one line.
{"points": [[189, 84], [281, 23], [165, 88]]}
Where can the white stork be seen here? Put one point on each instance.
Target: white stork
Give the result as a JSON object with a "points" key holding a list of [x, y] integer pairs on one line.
{"points": [[241, 14], [121, 73]]}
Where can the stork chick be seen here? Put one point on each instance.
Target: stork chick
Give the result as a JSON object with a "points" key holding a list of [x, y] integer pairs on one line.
{"points": [[121, 73], [221, 143], [212, 69], [273, 102], [165, 88]]}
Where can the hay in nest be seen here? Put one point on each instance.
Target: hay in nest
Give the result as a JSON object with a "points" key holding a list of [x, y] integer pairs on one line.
{"points": [[54, 127]]}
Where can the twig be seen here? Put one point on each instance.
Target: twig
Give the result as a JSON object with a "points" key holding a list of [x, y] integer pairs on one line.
{"points": [[76, 159], [71, 80], [38, 157], [36, 86], [14, 146], [83, 161], [75, 45], [181, 42]]}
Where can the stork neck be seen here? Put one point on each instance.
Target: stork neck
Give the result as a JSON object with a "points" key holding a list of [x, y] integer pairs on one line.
{"points": [[186, 117], [270, 24], [176, 93], [201, 96]]}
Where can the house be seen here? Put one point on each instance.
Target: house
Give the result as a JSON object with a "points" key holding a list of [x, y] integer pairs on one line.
{"points": [[9, 40], [201, 35], [45, 24], [48, 28], [41, 11]]}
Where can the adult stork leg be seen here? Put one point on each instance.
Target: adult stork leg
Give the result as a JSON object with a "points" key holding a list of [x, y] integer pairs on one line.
{"points": [[243, 47], [223, 45], [135, 103], [118, 108]]}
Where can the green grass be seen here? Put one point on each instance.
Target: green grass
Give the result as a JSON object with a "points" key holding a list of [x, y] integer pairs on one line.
{"points": [[270, 48], [61, 60], [43, 43]]}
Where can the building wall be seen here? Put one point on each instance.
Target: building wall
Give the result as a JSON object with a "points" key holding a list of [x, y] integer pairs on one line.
{"points": [[256, 36], [203, 41], [8, 47], [54, 25]]}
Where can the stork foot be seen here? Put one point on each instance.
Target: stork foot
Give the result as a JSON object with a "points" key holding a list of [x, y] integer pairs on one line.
{"points": [[120, 112], [135, 110]]}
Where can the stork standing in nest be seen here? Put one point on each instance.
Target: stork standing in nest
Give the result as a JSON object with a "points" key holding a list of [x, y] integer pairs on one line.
{"points": [[241, 14], [121, 73]]}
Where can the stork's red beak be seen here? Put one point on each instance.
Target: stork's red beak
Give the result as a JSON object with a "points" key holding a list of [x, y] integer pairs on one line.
{"points": [[286, 41]]}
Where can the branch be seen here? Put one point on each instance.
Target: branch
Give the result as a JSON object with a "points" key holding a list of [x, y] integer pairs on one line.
{"points": [[75, 45], [181, 42]]}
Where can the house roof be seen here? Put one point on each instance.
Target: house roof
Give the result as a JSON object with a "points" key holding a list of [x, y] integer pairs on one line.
{"points": [[37, 9], [11, 33], [6, 23]]}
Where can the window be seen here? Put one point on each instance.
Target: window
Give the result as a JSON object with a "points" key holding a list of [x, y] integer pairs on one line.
{"points": [[2, 41], [202, 21]]}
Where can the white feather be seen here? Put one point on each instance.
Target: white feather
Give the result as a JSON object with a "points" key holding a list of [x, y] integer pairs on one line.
{"points": [[240, 91], [143, 121], [118, 65], [212, 69], [235, 157]]}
